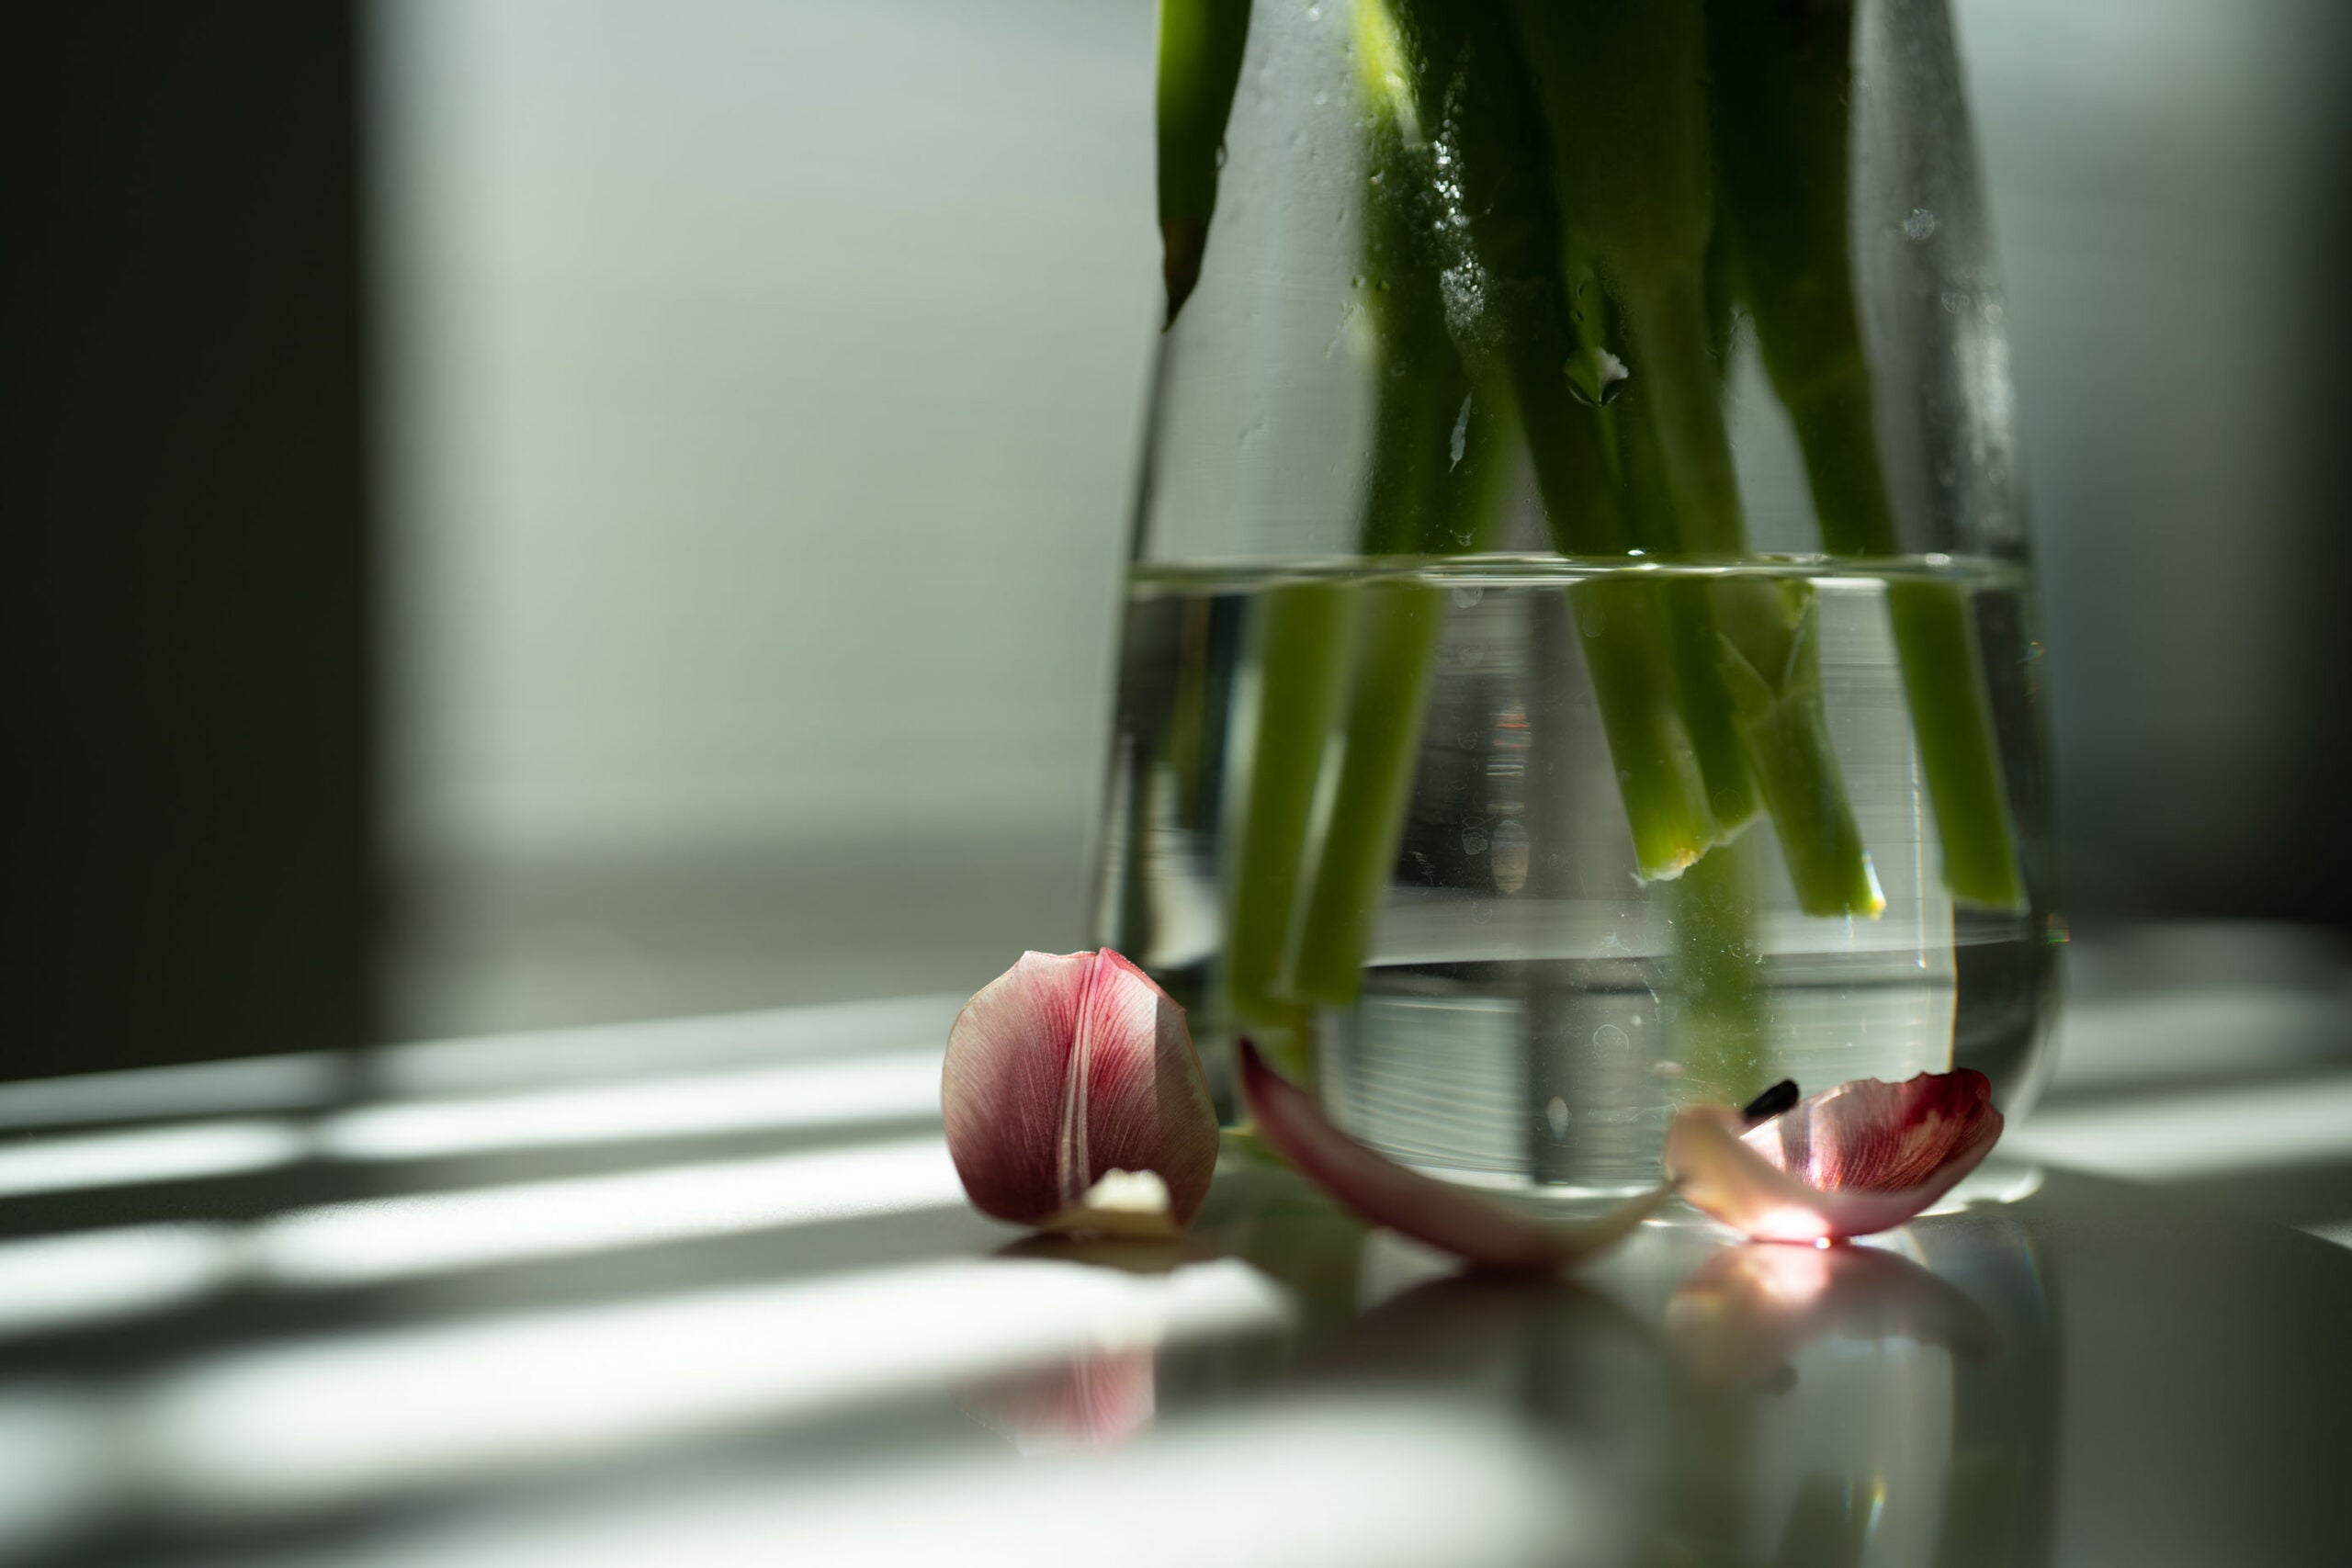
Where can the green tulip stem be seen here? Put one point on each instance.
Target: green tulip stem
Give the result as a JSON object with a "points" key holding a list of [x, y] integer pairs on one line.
{"points": [[1780, 91], [1402, 625], [1305, 632], [1201, 44]]}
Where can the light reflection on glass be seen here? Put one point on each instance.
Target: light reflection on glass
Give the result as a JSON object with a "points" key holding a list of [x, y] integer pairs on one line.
{"points": [[259, 1083], [1735, 1324], [899, 1085], [55, 1466], [396, 1238], [188, 1153], [1096, 1399], [751, 1045], [2257, 1127], [622, 1052], [340, 1419], [99, 1277], [1364, 1484], [91, 1278]]}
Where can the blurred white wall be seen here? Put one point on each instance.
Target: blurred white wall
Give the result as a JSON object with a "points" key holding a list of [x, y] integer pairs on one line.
{"points": [[2168, 185], [763, 380]]}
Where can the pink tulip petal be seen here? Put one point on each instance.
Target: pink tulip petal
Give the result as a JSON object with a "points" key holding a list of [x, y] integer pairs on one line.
{"points": [[1065, 1069], [1453, 1219], [1862, 1158]]}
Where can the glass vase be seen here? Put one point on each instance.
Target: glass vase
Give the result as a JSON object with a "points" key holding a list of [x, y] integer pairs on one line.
{"points": [[1580, 655]]}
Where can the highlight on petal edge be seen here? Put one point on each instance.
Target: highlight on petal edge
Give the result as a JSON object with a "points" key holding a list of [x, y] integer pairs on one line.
{"points": [[1863, 1156], [1074, 1102], [1453, 1219]]}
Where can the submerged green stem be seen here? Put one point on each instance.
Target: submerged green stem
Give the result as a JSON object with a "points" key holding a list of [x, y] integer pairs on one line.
{"points": [[1305, 632], [1625, 626], [1720, 1032], [1402, 625], [1782, 126], [1951, 721], [1768, 653]]}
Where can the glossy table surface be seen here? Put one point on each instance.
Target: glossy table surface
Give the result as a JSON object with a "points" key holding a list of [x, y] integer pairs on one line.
{"points": [[707, 1292]]}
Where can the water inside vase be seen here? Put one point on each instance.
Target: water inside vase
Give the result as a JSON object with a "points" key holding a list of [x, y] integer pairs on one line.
{"points": [[1379, 816]]}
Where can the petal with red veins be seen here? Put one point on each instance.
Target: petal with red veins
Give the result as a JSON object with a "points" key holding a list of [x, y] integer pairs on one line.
{"points": [[1476, 1229], [1863, 1156], [1074, 1102]]}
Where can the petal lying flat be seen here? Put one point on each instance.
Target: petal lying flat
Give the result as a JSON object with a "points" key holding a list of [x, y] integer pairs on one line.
{"points": [[1453, 1219], [1862, 1158], [1064, 1069], [1883, 1138]]}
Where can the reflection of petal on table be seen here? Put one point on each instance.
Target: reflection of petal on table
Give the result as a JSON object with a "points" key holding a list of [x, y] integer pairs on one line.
{"points": [[1734, 1324], [1091, 1401], [1448, 1329], [343, 1418]]}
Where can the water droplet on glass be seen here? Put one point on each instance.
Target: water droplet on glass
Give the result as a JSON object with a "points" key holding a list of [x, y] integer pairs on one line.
{"points": [[1220, 154], [1598, 376], [1993, 312], [1919, 225], [1321, 97], [1555, 1116], [1955, 300], [1611, 1041], [1466, 597], [1474, 842], [1461, 441]]}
